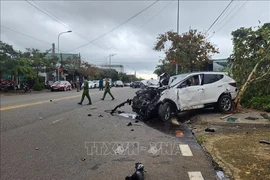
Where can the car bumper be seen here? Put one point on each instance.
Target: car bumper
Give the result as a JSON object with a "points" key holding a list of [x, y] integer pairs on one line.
{"points": [[233, 94]]}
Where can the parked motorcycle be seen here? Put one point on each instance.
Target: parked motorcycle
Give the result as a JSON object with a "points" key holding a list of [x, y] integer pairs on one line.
{"points": [[8, 87], [26, 88]]}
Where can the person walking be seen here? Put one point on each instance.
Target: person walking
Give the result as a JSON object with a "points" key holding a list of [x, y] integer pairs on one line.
{"points": [[107, 89], [85, 87], [101, 84]]}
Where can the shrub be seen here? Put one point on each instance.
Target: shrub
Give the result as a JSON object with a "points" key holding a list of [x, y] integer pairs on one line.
{"points": [[38, 87], [260, 103]]}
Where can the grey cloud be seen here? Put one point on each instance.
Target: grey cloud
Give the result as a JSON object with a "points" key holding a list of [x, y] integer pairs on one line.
{"points": [[94, 18]]}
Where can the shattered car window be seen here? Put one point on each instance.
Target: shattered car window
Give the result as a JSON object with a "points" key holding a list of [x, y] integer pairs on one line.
{"points": [[174, 80]]}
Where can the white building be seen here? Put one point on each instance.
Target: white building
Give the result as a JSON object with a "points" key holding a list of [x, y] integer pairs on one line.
{"points": [[118, 68]]}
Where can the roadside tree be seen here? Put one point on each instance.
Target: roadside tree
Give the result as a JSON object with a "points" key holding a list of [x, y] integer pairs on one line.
{"points": [[191, 50], [250, 63]]}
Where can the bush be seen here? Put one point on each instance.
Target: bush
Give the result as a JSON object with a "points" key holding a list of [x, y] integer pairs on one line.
{"points": [[260, 103], [38, 87]]}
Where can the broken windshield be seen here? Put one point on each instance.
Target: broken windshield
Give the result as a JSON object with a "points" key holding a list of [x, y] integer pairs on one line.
{"points": [[176, 79]]}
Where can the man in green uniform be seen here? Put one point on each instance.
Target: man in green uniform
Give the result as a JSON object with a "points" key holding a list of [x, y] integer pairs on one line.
{"points": [[85, 87], [107, 89]]}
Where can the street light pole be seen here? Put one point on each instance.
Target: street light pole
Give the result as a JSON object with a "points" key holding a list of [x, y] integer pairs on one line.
{"points": [[110, 57], [176, 65], [59, 49]]}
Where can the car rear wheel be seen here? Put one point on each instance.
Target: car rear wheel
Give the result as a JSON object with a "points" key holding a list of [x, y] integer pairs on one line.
{"points": [[165, 111], [224, 103]]}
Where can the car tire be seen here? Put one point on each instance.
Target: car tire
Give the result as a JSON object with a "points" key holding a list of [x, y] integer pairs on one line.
{"points": [[165, 111], [224, 103], [51, 90]]}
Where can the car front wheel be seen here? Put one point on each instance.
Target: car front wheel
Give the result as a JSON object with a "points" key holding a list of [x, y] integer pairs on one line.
{"points": [[165, 111], [225, 103]]}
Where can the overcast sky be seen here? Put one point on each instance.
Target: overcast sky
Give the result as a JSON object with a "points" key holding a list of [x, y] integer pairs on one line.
{"points": [[133, 41]]}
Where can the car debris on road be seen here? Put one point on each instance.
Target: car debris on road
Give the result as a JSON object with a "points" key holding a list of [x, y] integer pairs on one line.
{"points": [[265, 116], [264, 142], [138, 174], [209, 130]]}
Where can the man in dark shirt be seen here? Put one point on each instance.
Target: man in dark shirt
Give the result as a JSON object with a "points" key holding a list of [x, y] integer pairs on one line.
{"points": [[101, 84], [85, 87], [107, 89]]}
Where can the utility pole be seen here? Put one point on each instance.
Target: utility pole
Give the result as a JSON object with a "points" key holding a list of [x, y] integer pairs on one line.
{"points": [[53, 55], [110, 57], [176, 65], [53, 50], [59, 47]]}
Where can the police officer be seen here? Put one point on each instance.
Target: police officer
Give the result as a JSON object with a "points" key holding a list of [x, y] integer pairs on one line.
{"points": [[107, 89], [85, 87]]}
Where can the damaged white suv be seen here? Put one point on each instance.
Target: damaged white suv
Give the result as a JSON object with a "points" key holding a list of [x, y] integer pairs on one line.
{"points": [[186, 92]]}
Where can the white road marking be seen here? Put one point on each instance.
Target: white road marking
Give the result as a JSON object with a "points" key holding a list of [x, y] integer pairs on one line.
{"points": [[57, 120], [185, 150], [196, 175]]}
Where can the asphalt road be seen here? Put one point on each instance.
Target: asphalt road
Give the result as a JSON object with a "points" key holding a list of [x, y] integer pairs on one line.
{"points": [[49, 136]]}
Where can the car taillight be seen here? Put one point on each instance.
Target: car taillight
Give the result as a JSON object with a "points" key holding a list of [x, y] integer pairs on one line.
{"points": [[233, 84]]}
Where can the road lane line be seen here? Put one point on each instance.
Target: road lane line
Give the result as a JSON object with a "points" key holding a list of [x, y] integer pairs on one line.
{"points": [[195, 175], [57, 120], [41, 102], [185, 150]]}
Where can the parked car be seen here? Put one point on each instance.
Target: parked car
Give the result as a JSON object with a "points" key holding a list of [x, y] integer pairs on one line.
{"points": [[119, 83], [186, 92], [91, 85], [61, 86], [96, 83], [136, 84], [126, 84]]}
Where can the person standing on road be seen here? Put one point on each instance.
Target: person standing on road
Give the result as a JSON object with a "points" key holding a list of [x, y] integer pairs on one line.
{"points": [[107, 89], [77, 85], [101, 84], [85, 87]]}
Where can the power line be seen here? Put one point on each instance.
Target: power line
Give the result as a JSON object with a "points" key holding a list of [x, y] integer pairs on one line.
{"points": [[144, 23], [49, 14], [140, 26], [234, 6], [113, 29], [26, 35], [219, 16], [69, 27], [243, 5], [231, 17]]}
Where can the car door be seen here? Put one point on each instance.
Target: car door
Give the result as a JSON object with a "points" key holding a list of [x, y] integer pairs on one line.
{"points": [[212, 87], [190, 94]]}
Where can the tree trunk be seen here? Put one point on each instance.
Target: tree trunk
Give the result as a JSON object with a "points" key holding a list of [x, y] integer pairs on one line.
{"points": [[244, 87]]}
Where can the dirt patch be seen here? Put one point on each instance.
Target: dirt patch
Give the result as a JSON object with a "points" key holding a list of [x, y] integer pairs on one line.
{"points": [[241, 155], [236, 148]]}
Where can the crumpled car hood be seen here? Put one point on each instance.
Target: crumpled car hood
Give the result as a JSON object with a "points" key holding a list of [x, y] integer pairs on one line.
{"points": [[163, 80]]}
